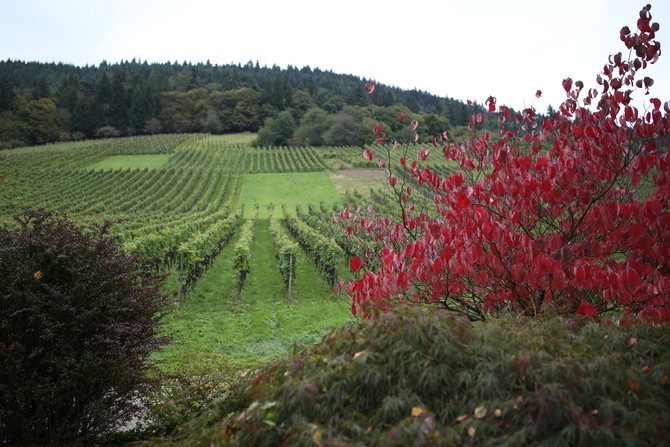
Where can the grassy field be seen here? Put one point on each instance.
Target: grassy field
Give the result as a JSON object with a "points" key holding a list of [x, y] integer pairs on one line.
{"points": [[290, 189], [149, 161]]}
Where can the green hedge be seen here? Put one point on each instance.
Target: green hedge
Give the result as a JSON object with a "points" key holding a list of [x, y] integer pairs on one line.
{"points": [[417, 378]]}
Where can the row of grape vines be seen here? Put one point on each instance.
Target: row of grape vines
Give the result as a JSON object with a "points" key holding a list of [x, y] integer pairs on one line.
{"points": [[242, 254], [286, 251], [284, 159], [176, 217], [327, 254]]}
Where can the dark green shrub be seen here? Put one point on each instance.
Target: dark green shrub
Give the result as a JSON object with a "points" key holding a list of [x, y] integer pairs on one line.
{"points": [[417, 378], [189, 384], [78, 322]]}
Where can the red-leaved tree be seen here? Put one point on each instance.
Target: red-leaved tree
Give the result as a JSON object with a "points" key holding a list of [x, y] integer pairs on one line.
{"points": [[565, 214]]}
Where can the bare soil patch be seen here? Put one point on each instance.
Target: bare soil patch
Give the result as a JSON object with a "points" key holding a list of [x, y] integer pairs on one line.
{"points": [[357, 179]]}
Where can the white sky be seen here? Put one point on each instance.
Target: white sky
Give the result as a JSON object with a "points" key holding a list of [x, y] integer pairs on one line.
{"points": [[462, 49]]}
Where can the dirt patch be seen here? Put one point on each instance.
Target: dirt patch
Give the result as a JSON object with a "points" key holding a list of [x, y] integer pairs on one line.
{"points": [[358, 179], [377, 173]]}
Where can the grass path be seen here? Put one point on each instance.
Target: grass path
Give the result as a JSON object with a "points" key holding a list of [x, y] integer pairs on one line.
{"points": [[263, 323]]}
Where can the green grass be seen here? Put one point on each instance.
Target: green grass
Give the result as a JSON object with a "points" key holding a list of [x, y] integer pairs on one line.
{"points": [[150, 161], [290, 189], [264, 323]]}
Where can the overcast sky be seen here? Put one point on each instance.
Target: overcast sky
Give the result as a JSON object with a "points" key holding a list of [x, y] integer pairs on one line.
{"points": [[462, 49]]}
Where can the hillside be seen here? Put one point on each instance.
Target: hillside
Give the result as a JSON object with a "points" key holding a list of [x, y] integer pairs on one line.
{"points": [[48, 102]]}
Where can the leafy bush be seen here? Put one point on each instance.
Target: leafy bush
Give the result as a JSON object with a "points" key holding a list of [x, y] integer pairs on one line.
{"points": [[277, 130], [78, 322], [427, 378], [107, 132], [189, 383]]}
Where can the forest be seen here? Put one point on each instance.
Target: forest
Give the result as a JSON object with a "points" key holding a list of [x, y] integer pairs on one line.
{"points": [[51, 102]]}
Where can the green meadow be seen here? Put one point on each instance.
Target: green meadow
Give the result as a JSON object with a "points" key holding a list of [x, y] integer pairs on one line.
{"points": [[288, 189]]}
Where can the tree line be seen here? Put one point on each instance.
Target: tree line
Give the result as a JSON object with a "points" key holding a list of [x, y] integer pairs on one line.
{"points": [[49, 102]]}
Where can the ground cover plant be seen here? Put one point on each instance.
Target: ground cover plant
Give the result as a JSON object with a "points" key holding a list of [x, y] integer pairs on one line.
{"points": [[570, 213], [428, 378]]}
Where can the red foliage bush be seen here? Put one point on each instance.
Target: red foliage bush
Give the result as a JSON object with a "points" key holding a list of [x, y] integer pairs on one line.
{"points": [[564, 214]]}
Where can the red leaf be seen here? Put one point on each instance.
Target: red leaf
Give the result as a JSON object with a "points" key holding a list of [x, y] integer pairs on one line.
{"points": [[567, 84], [643, 25], [393, 181], [538, 93], [648, 82], [462, 201], [356, 263], [491, 101], [370, 87], [378, 129], [437, 266], [587, 309], [401, 116]]}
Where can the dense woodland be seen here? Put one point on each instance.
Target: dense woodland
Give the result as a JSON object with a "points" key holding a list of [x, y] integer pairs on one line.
{"points": [[49, 102]]}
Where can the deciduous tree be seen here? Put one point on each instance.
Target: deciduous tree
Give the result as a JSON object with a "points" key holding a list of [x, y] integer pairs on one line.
{"points": [[566, 214]]}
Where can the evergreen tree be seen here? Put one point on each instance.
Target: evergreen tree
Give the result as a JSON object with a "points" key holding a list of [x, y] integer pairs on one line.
{"points": [[42, 89], [7, 95]]}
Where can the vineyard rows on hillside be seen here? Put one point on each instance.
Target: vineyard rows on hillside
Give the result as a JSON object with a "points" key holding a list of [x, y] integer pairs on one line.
{"points": [[179, 213]]}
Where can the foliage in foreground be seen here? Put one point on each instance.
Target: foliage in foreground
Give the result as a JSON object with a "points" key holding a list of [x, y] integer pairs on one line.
{"points": [[569, 214], [418, 378], [78, 322]]}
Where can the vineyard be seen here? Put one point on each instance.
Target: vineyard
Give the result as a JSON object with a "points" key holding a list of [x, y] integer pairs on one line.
{"points": [[211, 212]]}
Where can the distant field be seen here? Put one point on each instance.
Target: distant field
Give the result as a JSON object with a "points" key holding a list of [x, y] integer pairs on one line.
{"points": [[150, 161], [290, 189], [235, 138]]}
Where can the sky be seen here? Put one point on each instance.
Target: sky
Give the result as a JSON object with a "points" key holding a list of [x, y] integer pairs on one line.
{"points": [[461, 49]]}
